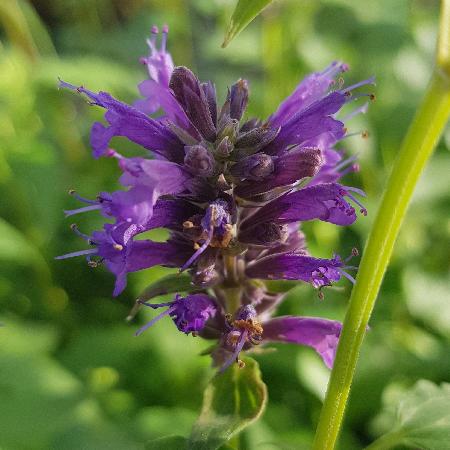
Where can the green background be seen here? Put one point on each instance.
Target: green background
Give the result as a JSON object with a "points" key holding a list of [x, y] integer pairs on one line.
{"points": [[72, 374]]}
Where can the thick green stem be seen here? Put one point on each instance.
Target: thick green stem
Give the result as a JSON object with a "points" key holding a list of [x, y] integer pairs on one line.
{"points": [[417, 147]]}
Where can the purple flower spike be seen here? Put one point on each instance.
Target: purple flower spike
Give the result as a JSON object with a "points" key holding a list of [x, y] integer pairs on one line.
{"points": [[232, 193], [320, 334], [189, 314]]}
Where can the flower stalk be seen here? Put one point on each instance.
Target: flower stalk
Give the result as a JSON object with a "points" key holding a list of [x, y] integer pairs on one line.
{"points": [[418, 145]]}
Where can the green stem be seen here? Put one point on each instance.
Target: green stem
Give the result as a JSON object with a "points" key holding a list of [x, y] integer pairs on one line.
{"points": [[417, 147]]}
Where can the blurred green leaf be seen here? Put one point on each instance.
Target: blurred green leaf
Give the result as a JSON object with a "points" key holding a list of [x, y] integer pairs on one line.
{"points": [[243, 14], [16, 248], [167, 443], [232, 401], [423, 419], [175, 282]]}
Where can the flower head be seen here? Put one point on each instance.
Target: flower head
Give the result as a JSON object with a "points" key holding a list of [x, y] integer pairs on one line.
{"points": [[232, 192]]}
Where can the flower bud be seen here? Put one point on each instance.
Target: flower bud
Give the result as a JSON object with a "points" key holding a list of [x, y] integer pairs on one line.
{"points": [[255, 167], [238, 99], [199, 160]]}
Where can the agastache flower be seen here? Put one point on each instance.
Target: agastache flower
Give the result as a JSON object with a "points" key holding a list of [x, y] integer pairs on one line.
{"points": [[232, 192]]}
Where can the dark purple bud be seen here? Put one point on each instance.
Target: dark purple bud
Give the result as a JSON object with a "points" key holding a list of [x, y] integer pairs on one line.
{"points": [[210, 92], [250, 124], [255, 139], [288, 169], [266, 234], [255, 167], [224, 149], [199, 160], [238, 99], [191, 96]]}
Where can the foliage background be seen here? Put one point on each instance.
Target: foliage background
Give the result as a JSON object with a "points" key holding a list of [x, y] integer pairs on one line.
{"points": [[72, 375]]}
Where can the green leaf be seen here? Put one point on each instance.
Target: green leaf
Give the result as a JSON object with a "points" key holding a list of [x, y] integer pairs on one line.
{"points": [[175, 282], [232, 401], [423, 419], [243, 14], [167, 443]]}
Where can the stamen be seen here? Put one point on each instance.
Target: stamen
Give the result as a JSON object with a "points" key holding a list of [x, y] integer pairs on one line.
{"points": [[154, 305], [354, 253], [73, 193], [91, 251], [154, 320], [370, 81], [360, 110], [362, 210], [239, 346], [165, 31], [199, 251], [346, 275], [72, 212], [75, 229]]}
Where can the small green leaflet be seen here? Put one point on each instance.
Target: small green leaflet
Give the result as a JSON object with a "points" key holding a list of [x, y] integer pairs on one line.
{"points": [[232, 401], [243, 14]]}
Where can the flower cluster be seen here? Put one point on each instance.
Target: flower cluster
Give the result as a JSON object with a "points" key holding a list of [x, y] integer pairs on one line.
{"points": [[232, 191]]}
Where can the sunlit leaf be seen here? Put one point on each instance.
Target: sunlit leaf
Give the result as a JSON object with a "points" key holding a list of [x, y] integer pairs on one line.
{"points": [[243, 14], [423, 419], [232, 401], [167, 443]]}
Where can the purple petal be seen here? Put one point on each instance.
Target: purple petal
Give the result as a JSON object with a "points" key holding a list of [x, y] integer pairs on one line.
{"points": [[292, 266], [124, 120], [159, 96], [310, 123], [311, 89], [163, 176], [320, 334], [325, 202]]}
